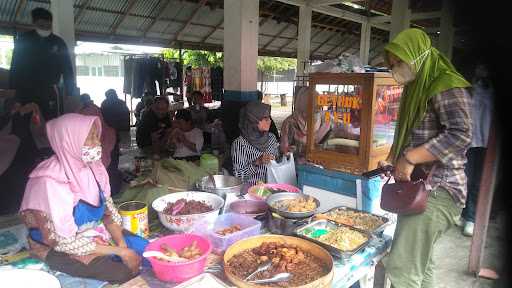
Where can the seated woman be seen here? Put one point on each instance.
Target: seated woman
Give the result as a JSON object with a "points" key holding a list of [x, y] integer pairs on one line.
{"points": [[187, 139], [255, 147], [73, 224], [294, 128], [155, 126]]}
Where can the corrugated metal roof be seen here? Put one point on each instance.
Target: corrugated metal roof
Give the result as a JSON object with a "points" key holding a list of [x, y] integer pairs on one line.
{"points": [[161, 20]]}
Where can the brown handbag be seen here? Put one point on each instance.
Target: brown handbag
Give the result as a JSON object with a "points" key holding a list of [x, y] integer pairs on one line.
{"points": [[406, 197]]}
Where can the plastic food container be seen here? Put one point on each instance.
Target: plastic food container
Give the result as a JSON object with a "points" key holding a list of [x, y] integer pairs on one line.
{"points": [[249, 227], [179, 271]]}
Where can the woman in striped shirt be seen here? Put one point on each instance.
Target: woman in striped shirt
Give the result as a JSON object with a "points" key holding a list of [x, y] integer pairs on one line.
{"points": [[255, 147]]}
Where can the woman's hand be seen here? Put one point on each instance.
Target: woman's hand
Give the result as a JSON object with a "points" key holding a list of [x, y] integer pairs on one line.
{"points": [[403, 170], [264, 159], [130, 259], [384, 163]]}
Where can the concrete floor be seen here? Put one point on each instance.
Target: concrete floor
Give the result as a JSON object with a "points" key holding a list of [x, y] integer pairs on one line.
{"points": [[452, 255]]}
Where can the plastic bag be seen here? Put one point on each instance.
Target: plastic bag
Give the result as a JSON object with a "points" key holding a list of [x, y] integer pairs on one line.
{"points": [[283, 172]]}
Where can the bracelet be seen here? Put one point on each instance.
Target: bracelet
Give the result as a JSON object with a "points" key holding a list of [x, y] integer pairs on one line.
{"points": [[408, 161]]}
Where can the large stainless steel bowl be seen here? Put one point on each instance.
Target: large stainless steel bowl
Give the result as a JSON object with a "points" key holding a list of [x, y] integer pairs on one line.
{"points": [[223, 185], [274, 198]]}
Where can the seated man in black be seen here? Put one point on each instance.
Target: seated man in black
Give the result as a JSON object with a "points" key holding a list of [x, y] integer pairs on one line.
{"points": [[155, 126]]}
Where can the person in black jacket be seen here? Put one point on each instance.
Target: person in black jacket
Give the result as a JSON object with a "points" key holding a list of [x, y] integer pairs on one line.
{"points": [[155, 126], [39, 60], [117, 115]]}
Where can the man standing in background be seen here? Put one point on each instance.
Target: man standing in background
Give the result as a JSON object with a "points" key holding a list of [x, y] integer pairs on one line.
{"points": [[39, 60]]}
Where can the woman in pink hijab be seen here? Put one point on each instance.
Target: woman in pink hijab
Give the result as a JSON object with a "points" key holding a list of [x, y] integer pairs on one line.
{"points": [[73, 224]]}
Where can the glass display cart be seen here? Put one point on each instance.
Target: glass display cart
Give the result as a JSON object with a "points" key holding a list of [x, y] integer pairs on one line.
{"points": [[362, 111]]}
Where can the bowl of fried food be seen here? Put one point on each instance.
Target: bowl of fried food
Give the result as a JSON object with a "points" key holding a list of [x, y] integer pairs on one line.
{"points": [[192, 251], [293, 205], [309, 264]]}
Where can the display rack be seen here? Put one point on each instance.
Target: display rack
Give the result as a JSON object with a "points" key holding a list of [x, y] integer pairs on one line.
{"points": [[362, 110]]}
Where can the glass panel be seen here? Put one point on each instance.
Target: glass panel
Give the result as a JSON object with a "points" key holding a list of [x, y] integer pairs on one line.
{"points": [[386, 115], [340, 107]]}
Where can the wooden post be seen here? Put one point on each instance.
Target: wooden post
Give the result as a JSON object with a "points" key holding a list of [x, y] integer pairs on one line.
{"points": [[483, 208]]}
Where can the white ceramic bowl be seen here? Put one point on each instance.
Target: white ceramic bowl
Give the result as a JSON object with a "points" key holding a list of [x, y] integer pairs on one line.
{"points": [[185, 223]]}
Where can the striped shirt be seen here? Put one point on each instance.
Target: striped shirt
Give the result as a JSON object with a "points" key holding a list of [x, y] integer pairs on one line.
{"points": [[244, 155], [446, 133]]}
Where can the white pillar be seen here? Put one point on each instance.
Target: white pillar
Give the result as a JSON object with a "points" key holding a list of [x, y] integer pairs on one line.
{"points": [[400, 17], [364, 47], [64, 26], [64, 23], [241, 20], [447, 30], [304, 38]]}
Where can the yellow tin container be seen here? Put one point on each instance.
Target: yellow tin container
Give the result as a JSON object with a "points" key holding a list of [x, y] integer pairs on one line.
{"points": [[135, 217]]}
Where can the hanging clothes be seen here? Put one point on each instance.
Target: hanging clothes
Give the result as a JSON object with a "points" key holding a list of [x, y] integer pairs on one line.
{"points": [[174, 70], [207, 87], [217, 83], [197, 79]]}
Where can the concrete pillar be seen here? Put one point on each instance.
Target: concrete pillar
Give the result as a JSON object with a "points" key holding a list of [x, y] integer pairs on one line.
{"points": [[64, 23], [304, 38], [240, 49], [447, 30], [364, 47], [241, 23], [64, 26], [400, 17]]}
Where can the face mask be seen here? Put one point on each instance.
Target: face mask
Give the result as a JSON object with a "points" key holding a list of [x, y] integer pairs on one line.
{"points": [[403, 73], [91, 154], [43, 33]]}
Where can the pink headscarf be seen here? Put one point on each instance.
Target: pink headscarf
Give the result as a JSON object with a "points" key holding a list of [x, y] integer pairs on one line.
{"points": [[57, 184], [108, 134]]}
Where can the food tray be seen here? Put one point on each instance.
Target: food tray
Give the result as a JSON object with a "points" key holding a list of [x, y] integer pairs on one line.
{"points": [[323, 224], [375, 231], [249, 227], [202, 281]]}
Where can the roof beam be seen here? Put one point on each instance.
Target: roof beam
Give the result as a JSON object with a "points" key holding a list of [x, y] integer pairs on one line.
{"points": [[290, 41], [277, 35], [426, 15], [21, 4], [120, 19], [158, 16], [329, 2], [213, 31], [189, 21], [323, 43]]}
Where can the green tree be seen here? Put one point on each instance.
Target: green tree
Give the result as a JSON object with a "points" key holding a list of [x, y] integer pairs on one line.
{"points": [[269, 65], [196, 58]]}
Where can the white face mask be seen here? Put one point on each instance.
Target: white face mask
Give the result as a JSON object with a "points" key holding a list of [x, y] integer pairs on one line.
{"points": [[43, 33], [91, 154], [403, 73]]}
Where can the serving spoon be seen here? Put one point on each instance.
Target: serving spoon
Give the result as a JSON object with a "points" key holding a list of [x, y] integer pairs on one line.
{"points": [[263, 266], [161, 255], [281, 277]]}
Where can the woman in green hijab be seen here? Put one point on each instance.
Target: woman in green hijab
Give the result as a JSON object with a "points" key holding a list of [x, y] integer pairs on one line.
{"points": [[433, 132]]}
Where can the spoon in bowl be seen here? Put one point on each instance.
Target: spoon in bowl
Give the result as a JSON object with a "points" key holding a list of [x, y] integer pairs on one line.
{"points": [[162, 256], [264, 266], [281, 277]]}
